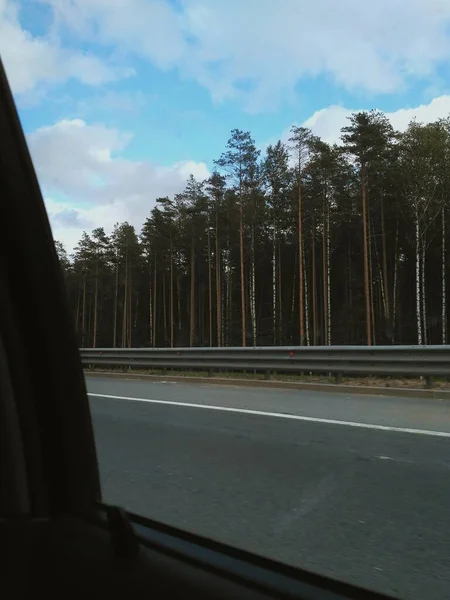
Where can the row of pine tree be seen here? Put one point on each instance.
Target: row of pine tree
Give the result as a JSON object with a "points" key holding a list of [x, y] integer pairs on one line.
{"points": [[304, 244]]}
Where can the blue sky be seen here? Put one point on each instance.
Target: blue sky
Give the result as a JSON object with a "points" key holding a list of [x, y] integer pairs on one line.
{"points": [[122, 99]]}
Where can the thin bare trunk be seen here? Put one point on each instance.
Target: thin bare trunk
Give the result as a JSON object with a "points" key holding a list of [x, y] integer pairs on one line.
{"points": [[350, 289], [372, 308], [444, 287], [218, 286], [88, 327], [164, 307], [394, 291], [150, 303], [178, 279], [192, 297], [418, 279], [125, 303], [241, 248], [130, 307], [253, 287], [83, 315], [77, 314], [171, 295], [228, 304], [294, 287], [382, 290], [314, 284], [136, 312], [223, 313], [423, 288], [94, 332], [308, 341], [280, 298], [324, 272], [210, 308], [116, 301], [328, 277], [385, 287], [366, 257], [274, 284], [154, 303], [300, 259]]}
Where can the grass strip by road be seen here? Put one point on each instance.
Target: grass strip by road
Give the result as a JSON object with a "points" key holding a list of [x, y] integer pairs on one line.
{"points": [[388, 386]]}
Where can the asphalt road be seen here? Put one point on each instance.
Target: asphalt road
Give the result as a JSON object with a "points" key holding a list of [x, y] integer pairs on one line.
{"points": [[354, 487]]}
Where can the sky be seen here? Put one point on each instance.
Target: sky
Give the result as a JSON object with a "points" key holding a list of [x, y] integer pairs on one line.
{"points": [[121, 100]]}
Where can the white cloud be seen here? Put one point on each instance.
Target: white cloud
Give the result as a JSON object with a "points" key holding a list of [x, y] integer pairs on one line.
{"points": [[328, 122], [259, 50], [31, 62], [87, 182]]}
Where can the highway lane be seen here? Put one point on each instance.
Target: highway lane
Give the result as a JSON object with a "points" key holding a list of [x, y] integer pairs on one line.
{"points": [[368, 505]]}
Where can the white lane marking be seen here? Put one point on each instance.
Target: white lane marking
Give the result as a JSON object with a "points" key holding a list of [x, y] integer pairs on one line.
{"points": [[261, 413]]}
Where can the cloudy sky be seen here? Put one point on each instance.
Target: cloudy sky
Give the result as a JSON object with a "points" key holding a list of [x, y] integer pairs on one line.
{"points": [[122, 99]]}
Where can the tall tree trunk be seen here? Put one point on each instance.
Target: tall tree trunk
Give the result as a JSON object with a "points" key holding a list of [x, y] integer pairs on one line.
{"points": [[274, 283], [164, 307], [150, 302], [83, 316], [130, 307], [229, 299], [227, 305], [218, 286], [308, 341], [179, 301], [280, 298], [136, 312], [366, 256], [94, 332], [223, 308], [154, 303], [241, 249], [314, 284], [294, 287], [348, 292], [328, 277], [300, 259], [371, 295], [325, 271], [253, 286], [418, 279], [77, 313], [210, 307], [383, 303], [116, 301], [171, 295], [88, 328], [385, 288], [192, 297], [394, 291], [423, 291], [443, 283], [125, 303]]}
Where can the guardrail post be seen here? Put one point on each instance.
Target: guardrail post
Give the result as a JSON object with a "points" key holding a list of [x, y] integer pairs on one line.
{"points": [[429, 382], [267, 375], [338, 378]]}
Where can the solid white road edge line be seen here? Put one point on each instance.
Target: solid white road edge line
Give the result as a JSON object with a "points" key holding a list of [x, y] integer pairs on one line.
{"points": [[262, 413]]}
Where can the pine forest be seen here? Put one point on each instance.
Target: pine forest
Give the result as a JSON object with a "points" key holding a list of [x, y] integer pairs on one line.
{"points": [[304, 243]]}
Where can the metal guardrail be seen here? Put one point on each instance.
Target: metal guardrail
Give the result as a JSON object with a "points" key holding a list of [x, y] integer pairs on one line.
{"points": [[424, 361]]}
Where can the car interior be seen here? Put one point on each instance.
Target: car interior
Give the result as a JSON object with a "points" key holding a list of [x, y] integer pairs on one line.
{"points": [[58, 538]]}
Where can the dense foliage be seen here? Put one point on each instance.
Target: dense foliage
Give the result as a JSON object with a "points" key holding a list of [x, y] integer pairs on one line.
{"points": [[306, 244]]}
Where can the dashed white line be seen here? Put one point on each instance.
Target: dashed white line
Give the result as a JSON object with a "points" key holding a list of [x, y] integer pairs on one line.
{"points": [[261, 413]]}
